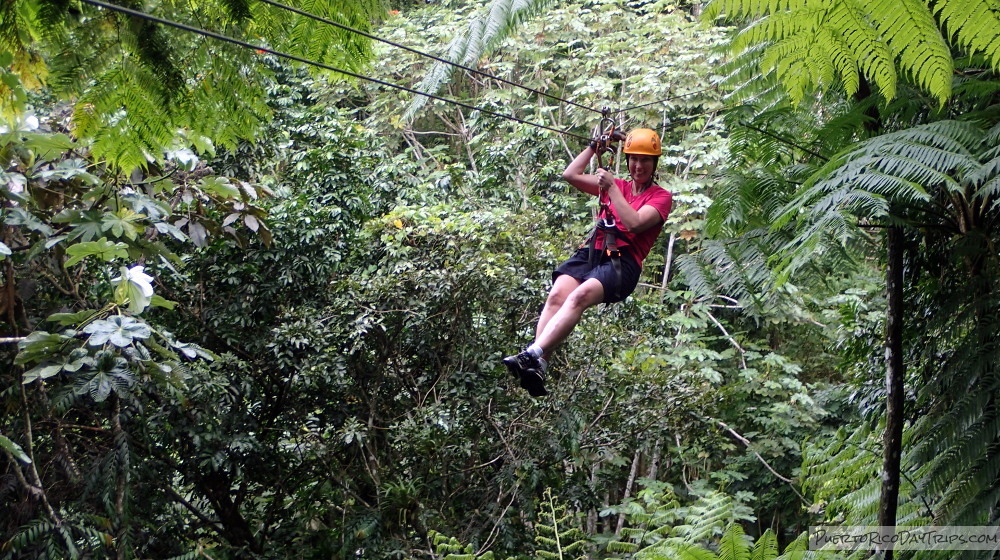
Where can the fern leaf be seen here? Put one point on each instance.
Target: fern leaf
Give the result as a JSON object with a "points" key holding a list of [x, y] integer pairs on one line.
{"points": [[799, 545], [734, 544], [766, 547], [912, 33], [675, 550], [975, 25], [867, 50], [497, 21], [807, 42]]}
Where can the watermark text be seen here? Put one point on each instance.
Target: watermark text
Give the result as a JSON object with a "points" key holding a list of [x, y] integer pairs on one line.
{"points": [[944, 537]]}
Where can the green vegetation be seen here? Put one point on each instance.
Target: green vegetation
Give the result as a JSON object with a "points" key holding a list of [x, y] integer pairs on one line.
{"points": [[256, 310]]}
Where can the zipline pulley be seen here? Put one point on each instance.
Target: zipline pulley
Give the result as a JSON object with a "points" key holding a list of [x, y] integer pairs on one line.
{"points": [[608, 135]]}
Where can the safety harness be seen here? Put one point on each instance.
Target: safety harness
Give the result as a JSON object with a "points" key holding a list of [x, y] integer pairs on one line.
{"points": [[605, 224]]}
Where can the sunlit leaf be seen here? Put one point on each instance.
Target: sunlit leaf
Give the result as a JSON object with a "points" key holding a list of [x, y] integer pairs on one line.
{"points": [[119, 330], [102, 249], [14, 449]]}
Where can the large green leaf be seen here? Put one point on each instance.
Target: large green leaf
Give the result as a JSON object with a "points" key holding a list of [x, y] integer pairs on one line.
{"points": [[102, 249], [87, 225], [41, 371], [111, 374], [73, 168], [44, 145], [123, 223], [119, 330], [14, 449], [21, 217], [39, 346]]}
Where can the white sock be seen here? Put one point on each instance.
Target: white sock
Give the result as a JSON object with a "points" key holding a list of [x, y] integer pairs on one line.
{"points": [[535, 350]]}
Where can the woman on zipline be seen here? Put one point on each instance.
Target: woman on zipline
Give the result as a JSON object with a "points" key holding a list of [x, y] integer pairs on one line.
{"points": [[607, 268]]}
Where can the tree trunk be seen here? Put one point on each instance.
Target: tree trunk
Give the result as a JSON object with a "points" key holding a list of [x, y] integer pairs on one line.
{"points": [[654, 462], [668, 261], [628, 488], [894, 375]]}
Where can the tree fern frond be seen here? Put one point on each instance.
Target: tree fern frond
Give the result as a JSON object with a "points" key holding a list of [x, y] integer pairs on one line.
{"points": [[746, 200], [557, 532], [494, 24], [808, 42], [152, 46], [331, 45], [866, 179], [744, 83], [974, 25], [727, 269], [139, 124], [844, 465], [734, 544], [841, 61], [991, 140], [16, 25], [867, 50], [977, 90], [238, 10], [986, 182], [710, 515], [766, 547], [673, 549], [777, 26], [912, 33], [790, 59], [743, 10], [948, 431], [842, 129], [969, 497], [942, 473]]}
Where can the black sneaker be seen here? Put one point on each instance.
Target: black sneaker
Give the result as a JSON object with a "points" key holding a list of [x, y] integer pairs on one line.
{"points": [[530, 371]]}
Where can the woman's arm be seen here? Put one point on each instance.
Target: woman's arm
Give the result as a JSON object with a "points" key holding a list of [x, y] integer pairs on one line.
{"points": [[634, 220], [575, 175]]}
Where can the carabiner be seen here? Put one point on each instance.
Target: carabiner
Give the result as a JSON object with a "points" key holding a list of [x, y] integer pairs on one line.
{"points": [[608, 125], [608, 135]]}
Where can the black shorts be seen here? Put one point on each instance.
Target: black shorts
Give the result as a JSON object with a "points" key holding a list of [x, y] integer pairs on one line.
{"points": [[578, 266]]}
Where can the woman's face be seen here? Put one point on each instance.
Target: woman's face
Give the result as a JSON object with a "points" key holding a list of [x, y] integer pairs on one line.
{"points": [[641, 167]]}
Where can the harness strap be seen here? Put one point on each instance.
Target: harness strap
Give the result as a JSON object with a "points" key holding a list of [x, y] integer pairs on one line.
{"points": [[610, 249]]}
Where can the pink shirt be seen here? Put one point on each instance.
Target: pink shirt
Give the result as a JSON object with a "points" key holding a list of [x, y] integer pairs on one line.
{"points": [[640, 243]]}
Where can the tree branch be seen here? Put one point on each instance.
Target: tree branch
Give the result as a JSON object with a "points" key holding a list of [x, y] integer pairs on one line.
{"points": [[29, 450]]}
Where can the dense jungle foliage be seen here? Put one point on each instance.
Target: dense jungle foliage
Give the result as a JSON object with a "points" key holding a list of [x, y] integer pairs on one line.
{"points": [[251, 308]]}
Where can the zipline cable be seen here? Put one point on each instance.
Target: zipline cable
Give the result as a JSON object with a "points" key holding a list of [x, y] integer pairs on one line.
{"points": [[664, 100], [421, 53], [262, 49], [463, 67]]}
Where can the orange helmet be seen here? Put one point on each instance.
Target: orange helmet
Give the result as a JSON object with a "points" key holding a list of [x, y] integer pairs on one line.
{"points": [[642, 141]]}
